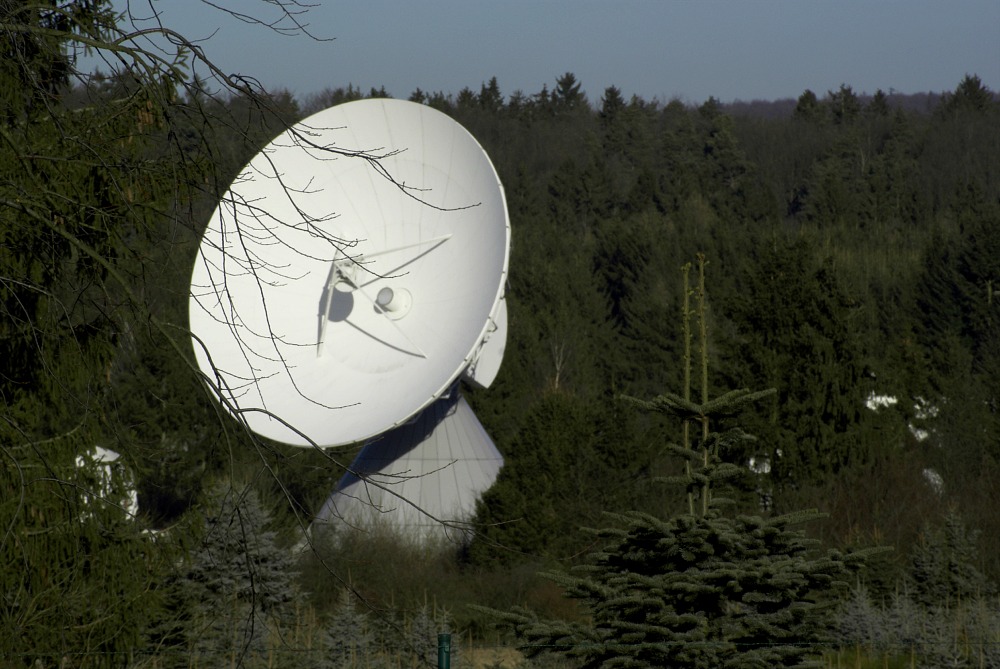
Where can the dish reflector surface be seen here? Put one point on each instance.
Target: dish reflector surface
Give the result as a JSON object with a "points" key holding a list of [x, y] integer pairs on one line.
{"points": [[351, 274]]}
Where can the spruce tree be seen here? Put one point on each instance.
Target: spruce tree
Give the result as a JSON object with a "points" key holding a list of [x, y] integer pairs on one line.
{"points": [[701, 588], [349, 636], [944, 565], [238, 584], [794, 332]]}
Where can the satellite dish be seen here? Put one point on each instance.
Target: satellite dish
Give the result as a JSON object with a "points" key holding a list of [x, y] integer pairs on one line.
{"points": [[353, 272], [352, 275]]}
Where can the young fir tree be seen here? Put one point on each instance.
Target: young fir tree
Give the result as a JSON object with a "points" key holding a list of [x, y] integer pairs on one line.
{"points": [[944, 565], [702, 588], [348, 635], [238, 584]]}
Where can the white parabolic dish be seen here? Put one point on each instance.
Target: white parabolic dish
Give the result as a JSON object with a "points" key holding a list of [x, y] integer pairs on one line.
{"points": [[340, 295]]}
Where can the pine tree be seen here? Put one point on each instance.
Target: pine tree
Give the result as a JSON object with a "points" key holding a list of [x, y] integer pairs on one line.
{"points": [[970, 94], [567, 96], [794, 333], [348, 634], [565, 449], [238, 585], [808, 108], [944, 614], [701, 588], [943, 565]]}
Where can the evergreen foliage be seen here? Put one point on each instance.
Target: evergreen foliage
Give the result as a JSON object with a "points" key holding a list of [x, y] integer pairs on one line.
{"points": [[700, 588], [77, 568], [945, 614], [524, 511], [361, 637], [349, 636], [944, 565], [80, 187], [238, 586], [794, 333]]}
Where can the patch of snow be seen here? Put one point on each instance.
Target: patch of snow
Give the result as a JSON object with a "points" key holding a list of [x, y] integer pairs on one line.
{"points": [[934, 480], [924, 410], [760, 465], [876, 401]]}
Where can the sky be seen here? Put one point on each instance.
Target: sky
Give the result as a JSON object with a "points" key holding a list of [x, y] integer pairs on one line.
{"points": [[656, 49]]}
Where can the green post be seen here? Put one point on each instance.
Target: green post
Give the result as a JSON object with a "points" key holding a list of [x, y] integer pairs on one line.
{"points": [[444, 651]]}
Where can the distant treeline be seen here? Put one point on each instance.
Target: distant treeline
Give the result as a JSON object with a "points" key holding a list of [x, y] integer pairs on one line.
{"points": [[849, 240]]}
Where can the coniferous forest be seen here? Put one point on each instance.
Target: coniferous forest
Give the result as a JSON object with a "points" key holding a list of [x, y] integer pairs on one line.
{"points": [[838, 460]]}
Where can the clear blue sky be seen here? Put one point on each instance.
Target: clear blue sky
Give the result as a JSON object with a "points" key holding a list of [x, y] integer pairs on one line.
{"points": [[730, 49]]}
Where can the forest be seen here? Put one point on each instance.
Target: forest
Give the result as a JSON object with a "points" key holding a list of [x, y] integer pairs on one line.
{"points": [[848, 246]]}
